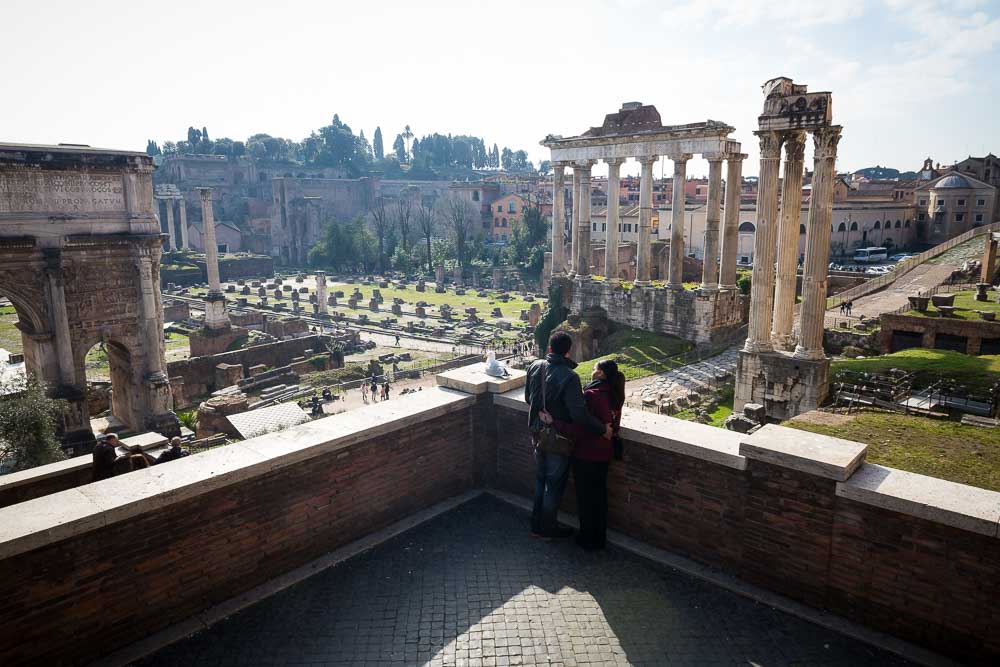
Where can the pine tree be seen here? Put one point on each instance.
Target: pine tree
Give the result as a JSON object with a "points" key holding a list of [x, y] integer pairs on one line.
{"points": [[377, 144]]}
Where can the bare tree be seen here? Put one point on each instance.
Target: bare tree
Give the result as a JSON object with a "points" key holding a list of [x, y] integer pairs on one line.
{"points": [[426, 220], [382, 222], [404, 217], [460, 216]]}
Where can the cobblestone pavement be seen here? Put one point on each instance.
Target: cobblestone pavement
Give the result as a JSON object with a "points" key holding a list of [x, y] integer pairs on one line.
{"points": [[472, 588], [681, 382]]}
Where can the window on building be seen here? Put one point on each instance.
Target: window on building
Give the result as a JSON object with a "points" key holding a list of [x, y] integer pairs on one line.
{"points": [[940, 203], [499, 208], [747, 227], [980, 202], [503, 238], [959, 217], [511, 207], [961, 202], [854, 226], [604, 226], [878, 225], [923, 202], [475, 195], [802, 229], [619, 228], [496, 222], [979, 217], [921, 217], [503, 223], [841, 227], [899, 223], [907, 223], [595, 227]]}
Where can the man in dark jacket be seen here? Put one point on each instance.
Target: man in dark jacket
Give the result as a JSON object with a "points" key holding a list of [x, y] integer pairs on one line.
{"points": [[105, 453], [173, 453], [564, 401]]}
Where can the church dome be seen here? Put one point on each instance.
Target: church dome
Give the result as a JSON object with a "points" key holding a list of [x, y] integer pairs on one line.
{"points": [[952, 181]]}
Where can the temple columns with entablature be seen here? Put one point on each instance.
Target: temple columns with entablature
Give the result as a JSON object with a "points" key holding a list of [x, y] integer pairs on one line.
{"points": [[613, 223], [731, 226], [788, 243], [675, 273], [710, 263]]}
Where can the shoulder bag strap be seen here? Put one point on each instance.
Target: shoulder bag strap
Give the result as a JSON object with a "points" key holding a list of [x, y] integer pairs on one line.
{"points": [[545, 376]]}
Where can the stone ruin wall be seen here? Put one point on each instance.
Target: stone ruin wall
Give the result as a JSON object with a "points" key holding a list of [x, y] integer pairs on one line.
{"points": [[704, 318]]}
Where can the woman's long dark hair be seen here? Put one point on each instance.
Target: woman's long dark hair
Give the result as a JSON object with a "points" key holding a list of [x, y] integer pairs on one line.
{"points": [[616, 379]]}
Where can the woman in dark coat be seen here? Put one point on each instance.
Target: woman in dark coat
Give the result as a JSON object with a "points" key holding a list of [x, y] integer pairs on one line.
{"points": [[605, 396]]}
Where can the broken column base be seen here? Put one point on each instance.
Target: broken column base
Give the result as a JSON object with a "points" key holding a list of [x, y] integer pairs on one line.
{"points": [[784, 385], [215, 311]]}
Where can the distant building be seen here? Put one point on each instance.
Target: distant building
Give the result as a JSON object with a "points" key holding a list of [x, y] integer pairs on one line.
{"points": [[506, 212], [987, 170], [228, 236], [953, 203]]}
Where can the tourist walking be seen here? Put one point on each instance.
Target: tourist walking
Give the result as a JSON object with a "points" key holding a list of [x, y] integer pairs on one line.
{"points": [[605, 396], [385, 390], [374, 389], [364, 392], [850, 305], [554, 386]]}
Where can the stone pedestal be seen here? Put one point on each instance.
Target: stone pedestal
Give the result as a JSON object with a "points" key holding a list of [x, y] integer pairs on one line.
{"points": [[785, 385]]}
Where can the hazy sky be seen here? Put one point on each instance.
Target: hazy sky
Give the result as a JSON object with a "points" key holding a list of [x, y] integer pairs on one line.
{"points": [[910, 78]]}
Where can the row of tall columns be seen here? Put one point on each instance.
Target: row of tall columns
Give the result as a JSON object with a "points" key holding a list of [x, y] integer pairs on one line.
{"points": [[710, 264], [642, 274], [731, 226], [182, 212], [720, 262], [815, 271], [675, 271], [788, 243], [773, 300]]}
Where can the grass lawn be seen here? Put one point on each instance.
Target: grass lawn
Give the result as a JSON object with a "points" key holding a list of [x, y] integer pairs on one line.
{"points": [[967, 301], [10, 335], [635, 347], [944, 449], [977, 374]]}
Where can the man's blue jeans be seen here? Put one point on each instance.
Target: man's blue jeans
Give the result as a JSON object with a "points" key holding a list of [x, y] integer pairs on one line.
{"points": [[551, 473]]}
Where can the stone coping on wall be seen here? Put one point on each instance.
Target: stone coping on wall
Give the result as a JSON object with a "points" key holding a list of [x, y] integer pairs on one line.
{"points": [[58, 516], [938, 500], [692, 439], [472, 379], [820, 455]]}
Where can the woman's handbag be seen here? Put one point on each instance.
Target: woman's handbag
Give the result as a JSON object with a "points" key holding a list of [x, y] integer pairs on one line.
{"points": [[550, 441]]}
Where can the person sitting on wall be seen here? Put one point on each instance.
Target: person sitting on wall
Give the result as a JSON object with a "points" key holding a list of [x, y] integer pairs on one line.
{"points": [[173, 452], [130, 461], [105, 455]]}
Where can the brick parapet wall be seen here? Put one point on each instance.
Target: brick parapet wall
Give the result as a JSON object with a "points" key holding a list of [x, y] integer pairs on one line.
{"points": [[902, 571], [93, 569]]}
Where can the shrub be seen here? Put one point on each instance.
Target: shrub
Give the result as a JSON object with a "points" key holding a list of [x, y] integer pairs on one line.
{"points": [[852, 352]]}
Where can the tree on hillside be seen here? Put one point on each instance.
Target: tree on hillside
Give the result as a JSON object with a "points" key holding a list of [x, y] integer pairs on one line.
{"points": [[507, 159], [495, 158], [403, 214], [461, 218], [426, 219], [204, 134], [399, 147], [381, 221], [28, 420], [544, 167], [377, 144], [407, 135], [520, 160], [194, 136], [152, 148]]}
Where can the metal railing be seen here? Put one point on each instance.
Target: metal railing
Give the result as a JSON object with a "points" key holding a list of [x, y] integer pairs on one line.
{"points": [[907, 265]]}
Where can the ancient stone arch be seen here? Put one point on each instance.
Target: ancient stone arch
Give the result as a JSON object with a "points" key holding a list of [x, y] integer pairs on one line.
{"points": [[80, 251]]}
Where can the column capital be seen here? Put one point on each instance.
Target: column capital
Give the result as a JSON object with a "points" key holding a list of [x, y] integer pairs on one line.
{"points": [[770, 144], [736, 157], [647, 159], [561, 164], [205, 192], [795, 145], [680, 157], [825, 141], [584, 164], [614, 161], [714, 157]]}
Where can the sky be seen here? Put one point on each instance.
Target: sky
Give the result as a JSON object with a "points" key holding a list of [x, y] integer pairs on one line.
{"points": [[910, 78]]}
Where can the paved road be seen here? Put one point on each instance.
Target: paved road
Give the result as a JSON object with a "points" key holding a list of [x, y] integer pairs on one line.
{"points": [[920, 279], [472, 588]]}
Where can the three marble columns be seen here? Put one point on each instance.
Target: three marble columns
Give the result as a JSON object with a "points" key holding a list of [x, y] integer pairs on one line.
{"points": [[776, 241], [720, 254], [182, 212]]}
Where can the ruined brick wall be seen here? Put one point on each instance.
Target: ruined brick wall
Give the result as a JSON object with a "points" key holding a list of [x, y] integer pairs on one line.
{"points": [[933, 330], [790, 532], [72, 601], [198, 373]]}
